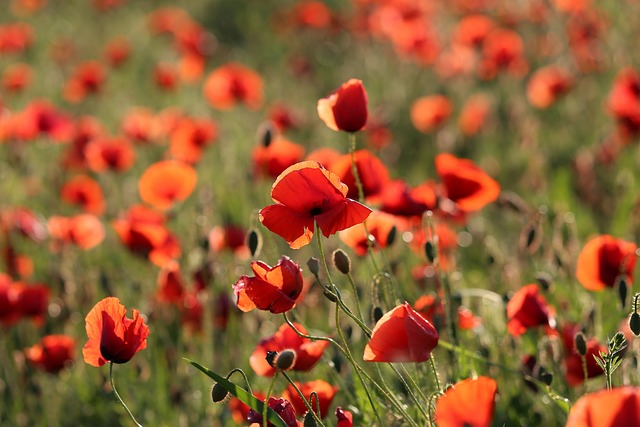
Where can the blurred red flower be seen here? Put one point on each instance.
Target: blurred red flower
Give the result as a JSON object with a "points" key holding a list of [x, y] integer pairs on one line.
{"points": [[88, 78], [28, 300], [85, 192], [325, 394], [306, 193], [85, 231], [170, 284], [465, 184], [547, 84], [607, 408], [473, 115], [401, 335], [471, 30], [345, 418], [230, 237], [273, 159], [15, 37], [117, 51], [307, 352], [372, 172], [527, 309], [282, 407], [104, 153], [233, 83], [52, 353], [273, 289], [325, 156], [430, 112], [166, 182], [469, 402], [346, 109], [16, 77], [165, 76], [624, 100], [140, 126], [397, 198], [379, 224], [502, 50], [112, 336], [42, 118], [603, 259], [573, 362], [191, 137]]}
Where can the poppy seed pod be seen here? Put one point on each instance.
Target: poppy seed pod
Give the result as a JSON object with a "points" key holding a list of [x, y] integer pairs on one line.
{"points": [[341, 261], [314, 265], [285, 360]]}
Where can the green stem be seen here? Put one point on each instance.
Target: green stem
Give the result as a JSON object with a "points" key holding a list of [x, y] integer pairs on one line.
{"points": [[355, 295], [432, 363], [246, 380], [304, 399], [115, 393], [409, 389], [584, 371]]}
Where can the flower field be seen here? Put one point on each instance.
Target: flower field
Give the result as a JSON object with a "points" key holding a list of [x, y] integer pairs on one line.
{"points": [[319, 213]]}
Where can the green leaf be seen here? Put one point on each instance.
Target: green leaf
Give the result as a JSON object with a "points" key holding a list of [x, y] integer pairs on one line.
{"points": [[242, 394]]}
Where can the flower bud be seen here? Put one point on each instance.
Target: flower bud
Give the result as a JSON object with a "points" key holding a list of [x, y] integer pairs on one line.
{"points": [[309, 420], [330, 296], [218, 393], [314, 265], [622, 286], [430, 251], [634, 323], [254, 242], [581, 343], [544, 280], [341, 261], [377, 314], [285, 360]]}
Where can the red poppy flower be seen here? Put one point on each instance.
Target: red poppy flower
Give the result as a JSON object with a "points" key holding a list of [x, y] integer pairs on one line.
{"points": [[232, 83], [15, 38], [140, 126], [167, 19], [306, 193], [472, 30], [311, 13], [401, 335], [379, 225], [87, 79], [17, 77], [240, 410], [547, 84], [325, 394], [470, 402], [9, 313], [275, 158], [604, 259], [467, 320], [325, 156], [42, 118], [527, 309], [166, 182], [430, 112], [283, 117], [25, 222], [574, 371], [117, 51], [229, 237], [85, 130], [624, 100], [190, 138], [473, 115], [52, 353], [398, 198], [85, 192], [85, 231], [502, 50], [30, 300], [165, 76], [372, 172], [144, 232], [116, 154], [465, 184], [113, 337], [346, 109], [170, 284], [607, 408], [282, 407], [307, 352], [345, 418], [273, 289]]}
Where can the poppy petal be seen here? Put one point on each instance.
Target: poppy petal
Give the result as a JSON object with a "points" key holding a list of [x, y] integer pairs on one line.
{"points": [[295, 228]]}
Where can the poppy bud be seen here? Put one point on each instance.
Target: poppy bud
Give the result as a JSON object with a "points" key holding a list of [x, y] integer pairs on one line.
{"points": [[341, 261], [530, 237], [254, 242], [581, 343], [309, 420], [265, 134], [430, 251], [544, 280], [622, 286], [346, 109], [377, 314], [218, 393], [634, 323], [285, 359], [391, 237], [545, 376], [314, 265]]}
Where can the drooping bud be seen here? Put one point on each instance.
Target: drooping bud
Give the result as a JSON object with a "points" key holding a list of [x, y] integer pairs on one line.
{"points": [[545, 376], [254, 242], [314, 265], [634, 323], [622, 286], [285, 360], [309, 420], [377, 314], [265, 134], [218, 393], [430, 251], [581, 343], [391, 237], [341, 261], [544, 279]]}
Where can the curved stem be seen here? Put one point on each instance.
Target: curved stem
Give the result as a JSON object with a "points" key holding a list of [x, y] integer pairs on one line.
{"points": [[304, 399], [115, 393], [311, 337], [246, 380]]}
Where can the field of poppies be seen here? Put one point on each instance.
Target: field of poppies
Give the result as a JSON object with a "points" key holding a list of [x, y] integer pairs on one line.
{"points": [[302, 212]]}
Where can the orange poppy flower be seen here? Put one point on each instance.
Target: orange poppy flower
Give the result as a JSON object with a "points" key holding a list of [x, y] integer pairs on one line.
{"points": [[379, 225], [312, 14], [502, 50], [473, 115], [372, 172], [165, 76], [52, 353], [117, 51], [85, 231], [273, 289], [307, 352], [346, 109], [190, 138], [140, 126], [607, 408], [17, 265], [604, 259], [170, 284], [190, 67], [401, 335], [85, 192], [15, 38], [470, 402], [87, 79], [430, 112], [471, 30], [166, 182], [465, 184], [104, 153], [306, 193], [325, 394], [527, 309], [113, 337], [17, 77], [167, 19], [275, 158], [233, 83], [547, 84]]}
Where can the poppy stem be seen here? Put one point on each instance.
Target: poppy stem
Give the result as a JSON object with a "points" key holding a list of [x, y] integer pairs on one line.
{"points": [[304, 399], [409, 389], [115, 393], [584, 371], [246, 380], [311, 337]]}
